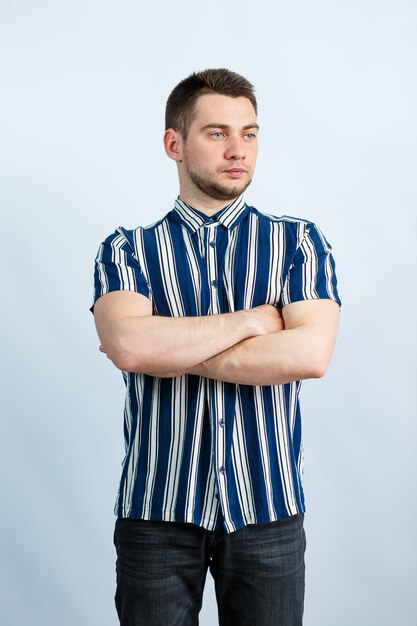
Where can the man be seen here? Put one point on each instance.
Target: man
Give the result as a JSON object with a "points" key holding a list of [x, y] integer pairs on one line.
{"points": [[214, 314]]}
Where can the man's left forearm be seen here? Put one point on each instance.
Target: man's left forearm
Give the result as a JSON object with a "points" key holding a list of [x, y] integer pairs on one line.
{"points": [[302, 350], [274, 359]]}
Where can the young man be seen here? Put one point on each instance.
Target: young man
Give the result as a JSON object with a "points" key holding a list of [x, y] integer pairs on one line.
{"points": [[214, 314]]}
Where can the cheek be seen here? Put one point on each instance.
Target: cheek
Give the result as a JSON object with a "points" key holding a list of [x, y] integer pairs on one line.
{"points": [[203, 157], [252, 159], [206, 159]]}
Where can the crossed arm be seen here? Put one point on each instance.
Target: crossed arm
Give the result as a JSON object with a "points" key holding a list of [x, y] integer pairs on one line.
{"points": [[255, 347]]}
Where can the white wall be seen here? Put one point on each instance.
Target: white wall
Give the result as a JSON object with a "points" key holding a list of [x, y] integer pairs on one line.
{"points": [[83, 89]]}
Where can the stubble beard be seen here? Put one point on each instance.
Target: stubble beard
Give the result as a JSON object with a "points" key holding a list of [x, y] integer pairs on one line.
{"points": [[211, 188]]}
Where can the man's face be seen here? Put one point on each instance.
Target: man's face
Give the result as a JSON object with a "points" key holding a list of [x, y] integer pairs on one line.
{"points": [[219, 154]]}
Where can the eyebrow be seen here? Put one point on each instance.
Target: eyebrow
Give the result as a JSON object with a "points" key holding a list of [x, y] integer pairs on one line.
{"points": [[225, 126]]}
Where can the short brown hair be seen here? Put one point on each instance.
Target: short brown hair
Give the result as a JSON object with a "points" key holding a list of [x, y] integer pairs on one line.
{"points": [[180, 107]]}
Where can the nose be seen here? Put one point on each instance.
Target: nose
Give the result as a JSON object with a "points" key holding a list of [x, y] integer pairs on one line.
{"points": [[235, 149]]}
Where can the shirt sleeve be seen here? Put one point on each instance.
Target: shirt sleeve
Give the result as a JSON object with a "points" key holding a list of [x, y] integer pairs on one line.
{"points": [[116, 268], [312, 274]]}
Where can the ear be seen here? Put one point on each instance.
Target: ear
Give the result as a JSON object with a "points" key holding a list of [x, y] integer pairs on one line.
{"points": [[173, 144]]}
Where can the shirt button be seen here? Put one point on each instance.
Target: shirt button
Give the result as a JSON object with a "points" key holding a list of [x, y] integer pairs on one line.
{"points": [[222, 469], [210, 221], [212, 244], [214, 283], [221, 422]]}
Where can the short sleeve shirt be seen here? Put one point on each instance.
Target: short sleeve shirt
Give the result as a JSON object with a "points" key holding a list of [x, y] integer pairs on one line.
{"points": [[202, 451]]}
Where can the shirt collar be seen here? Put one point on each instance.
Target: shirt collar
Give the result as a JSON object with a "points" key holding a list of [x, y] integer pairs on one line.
{"points": [[193, 219]]}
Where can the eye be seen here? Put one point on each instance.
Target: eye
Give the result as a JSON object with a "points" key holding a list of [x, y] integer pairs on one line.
{"points": [[217, 134], [250, 136]]}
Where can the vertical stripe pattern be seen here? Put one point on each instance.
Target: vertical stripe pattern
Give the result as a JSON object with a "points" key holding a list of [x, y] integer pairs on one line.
{"points": [[198, 450]]}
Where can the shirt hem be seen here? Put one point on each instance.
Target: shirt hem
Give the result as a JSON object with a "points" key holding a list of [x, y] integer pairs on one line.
{"points": [[209, 524]]}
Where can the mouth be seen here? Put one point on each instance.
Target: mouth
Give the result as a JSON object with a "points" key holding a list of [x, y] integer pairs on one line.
{"points": [[235, 172]]}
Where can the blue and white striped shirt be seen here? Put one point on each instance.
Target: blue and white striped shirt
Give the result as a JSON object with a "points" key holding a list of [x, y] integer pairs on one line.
{"points": [[198, 450]]}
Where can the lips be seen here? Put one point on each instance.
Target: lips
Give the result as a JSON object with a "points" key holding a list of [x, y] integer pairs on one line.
{"points": [[235, 172]]}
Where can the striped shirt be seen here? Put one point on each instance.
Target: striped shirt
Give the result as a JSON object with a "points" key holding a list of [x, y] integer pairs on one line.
{"points": [[202, 451]]}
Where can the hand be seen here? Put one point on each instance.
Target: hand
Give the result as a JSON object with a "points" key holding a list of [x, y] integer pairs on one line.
{"points": [[268, 319]]}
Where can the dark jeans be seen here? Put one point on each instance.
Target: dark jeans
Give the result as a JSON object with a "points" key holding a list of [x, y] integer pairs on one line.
{"points": [[258, 573]]}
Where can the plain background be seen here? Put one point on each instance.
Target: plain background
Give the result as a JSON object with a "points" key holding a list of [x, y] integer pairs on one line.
{"points": [[83, 89]]}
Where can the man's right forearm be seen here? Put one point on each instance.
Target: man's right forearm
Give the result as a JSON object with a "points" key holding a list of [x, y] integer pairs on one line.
{"points": [[152, 343]]}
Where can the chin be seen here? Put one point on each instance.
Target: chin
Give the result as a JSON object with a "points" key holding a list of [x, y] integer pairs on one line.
{"points": [[226, 194], [237, 190], [216, 189], [229, 193]]}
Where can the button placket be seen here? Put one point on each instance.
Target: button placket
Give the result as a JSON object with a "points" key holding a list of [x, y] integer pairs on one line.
{"points": [[212, 267], [218, 422]]}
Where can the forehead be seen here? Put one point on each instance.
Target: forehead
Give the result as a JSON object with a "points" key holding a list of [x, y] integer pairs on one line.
{"points": [[218, 109]]}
